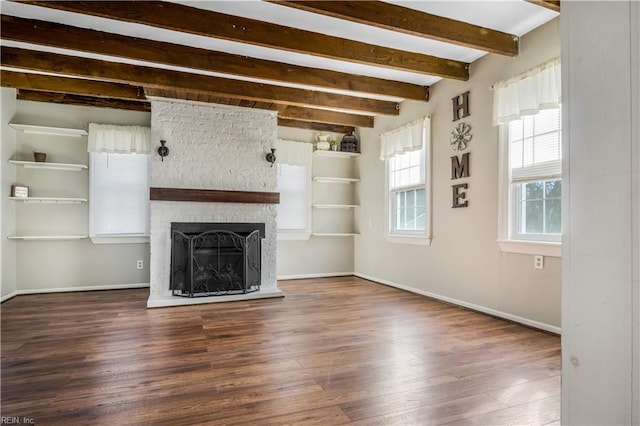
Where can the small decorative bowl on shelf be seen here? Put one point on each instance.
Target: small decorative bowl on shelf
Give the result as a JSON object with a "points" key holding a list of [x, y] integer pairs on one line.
{"points": [[40, 157]]}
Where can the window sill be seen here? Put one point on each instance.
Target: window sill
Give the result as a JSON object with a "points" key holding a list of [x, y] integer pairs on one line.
{"points": [[408, 239], [531, 247], [120, 240], [292, 236]]}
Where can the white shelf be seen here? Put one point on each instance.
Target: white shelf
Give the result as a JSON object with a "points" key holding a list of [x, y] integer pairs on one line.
{"points": [[52, 131], [335, 154], [48, 166], [333, 234], [49, 200], [329, 179], [46, 237], [335, 206]]}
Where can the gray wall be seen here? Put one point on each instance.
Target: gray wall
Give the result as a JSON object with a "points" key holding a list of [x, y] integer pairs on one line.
{"points": [[51, 265], [601, 242], [464, 263], [8, 207]]}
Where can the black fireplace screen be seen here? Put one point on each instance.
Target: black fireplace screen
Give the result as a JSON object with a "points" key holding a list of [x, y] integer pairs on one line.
{"points": [[214, 259]]}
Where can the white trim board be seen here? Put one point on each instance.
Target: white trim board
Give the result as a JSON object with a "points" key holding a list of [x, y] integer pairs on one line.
{"points": [[489, 311], [73, 289], [317, 275]]}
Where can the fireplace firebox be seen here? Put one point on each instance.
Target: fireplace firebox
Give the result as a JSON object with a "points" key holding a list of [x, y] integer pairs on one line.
{"points": [[215, 259]]}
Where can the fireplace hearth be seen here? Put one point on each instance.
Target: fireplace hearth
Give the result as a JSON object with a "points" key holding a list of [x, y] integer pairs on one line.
{"points": [[215, 259]]}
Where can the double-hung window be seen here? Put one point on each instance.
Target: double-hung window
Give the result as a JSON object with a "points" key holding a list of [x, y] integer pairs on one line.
{"points": [[527, 109], [406, 154], [535, 157], [294, 186], [118, 183]]}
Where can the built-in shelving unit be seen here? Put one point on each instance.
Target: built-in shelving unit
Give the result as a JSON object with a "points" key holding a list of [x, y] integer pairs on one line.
{"points": [[49, 166], [333, 179], [335, 206], [334, 199], [49, 200], [45, 130], [334, 234], [51, 140]]}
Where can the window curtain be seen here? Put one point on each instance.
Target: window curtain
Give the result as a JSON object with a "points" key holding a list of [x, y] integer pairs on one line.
{"points": [[527, 93], [294, 153], [406, 138], [111, 139]]}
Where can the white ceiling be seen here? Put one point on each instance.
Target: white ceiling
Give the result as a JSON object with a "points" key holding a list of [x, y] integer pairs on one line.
{"points": [[514, 17]]}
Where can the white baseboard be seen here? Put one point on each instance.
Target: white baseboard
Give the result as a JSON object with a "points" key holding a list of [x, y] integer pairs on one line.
{"points": [[500, 314], [9, 296], [85, 288], [319, 275]]}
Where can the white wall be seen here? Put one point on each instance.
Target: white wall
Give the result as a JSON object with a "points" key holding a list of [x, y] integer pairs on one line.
{"points": [[51, 265], [211, 147], [8, 208], [317, 256], [601, 367], [464, 263]]}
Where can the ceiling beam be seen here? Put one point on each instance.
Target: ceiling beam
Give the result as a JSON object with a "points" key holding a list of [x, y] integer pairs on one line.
{"points": [[177, 17], [80, 100], [320, 127], [50, 83], [68, 37], [409, 21], [159, 78], [549, 4], [284, 111]]}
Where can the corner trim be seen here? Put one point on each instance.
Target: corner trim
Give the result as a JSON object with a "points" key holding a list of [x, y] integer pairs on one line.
{"points": [[493, 312], [318, 275]]}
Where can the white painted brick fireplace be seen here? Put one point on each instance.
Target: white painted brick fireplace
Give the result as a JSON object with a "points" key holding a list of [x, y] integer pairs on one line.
{"points": [[211, 147]]}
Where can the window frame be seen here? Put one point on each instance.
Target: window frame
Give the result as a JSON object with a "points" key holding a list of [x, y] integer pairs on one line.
{"points": [[134, 238], [509, 204], [417, 237], [299, 234]]}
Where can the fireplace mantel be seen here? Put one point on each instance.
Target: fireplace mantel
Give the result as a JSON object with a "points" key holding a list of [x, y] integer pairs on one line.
{"points": [[213, 196]]}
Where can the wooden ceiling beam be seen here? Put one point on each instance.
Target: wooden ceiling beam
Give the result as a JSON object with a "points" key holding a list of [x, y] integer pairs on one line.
{"points": [[160, 78], [68, 37], [413, 22], [49, 83], [177, 17], [549, 4], [80, 100], [319, 127], [284, 111]]}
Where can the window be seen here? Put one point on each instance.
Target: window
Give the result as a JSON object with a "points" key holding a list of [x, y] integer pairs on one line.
{"points": [[294, 186], [119, 198], [408, 182], [294, 216], [535, 163], [407, 193]]}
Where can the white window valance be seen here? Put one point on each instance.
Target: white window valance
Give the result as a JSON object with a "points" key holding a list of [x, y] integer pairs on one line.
{"points": [[527, 93], [406, 138], [294, 153], [112, 139]]}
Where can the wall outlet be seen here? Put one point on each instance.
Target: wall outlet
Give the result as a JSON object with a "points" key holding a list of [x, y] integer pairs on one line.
{"points": [[140, 264], [538, 262], [370, 224]]}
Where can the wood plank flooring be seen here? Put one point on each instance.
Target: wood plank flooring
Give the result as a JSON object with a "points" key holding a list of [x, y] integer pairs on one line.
{"points": [[333, 351]]}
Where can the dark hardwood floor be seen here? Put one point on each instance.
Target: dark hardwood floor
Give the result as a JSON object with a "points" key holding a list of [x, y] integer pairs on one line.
{"points": [[333, 351]]}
